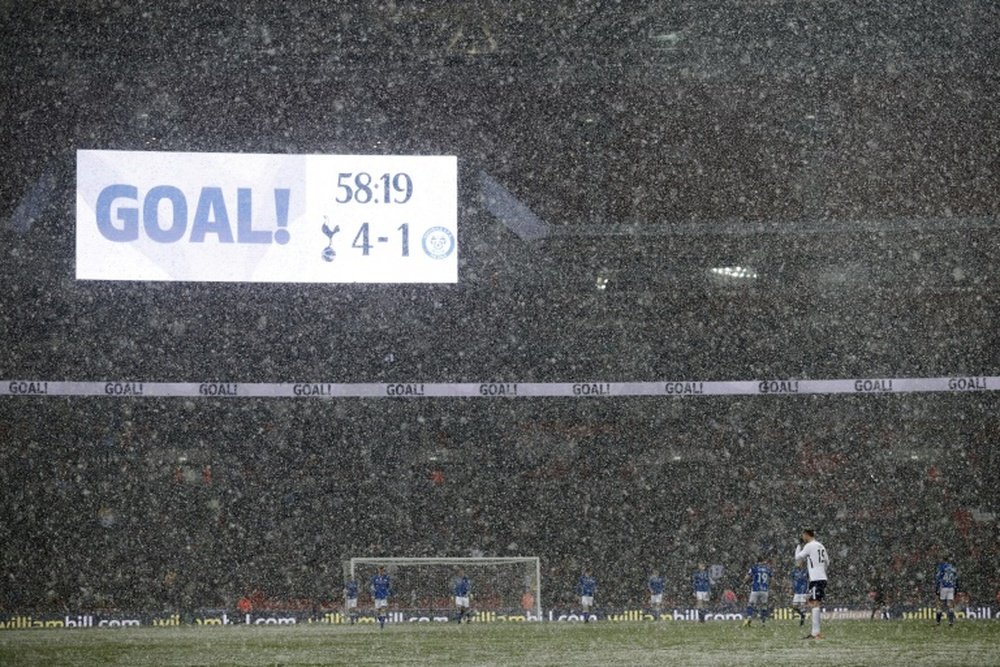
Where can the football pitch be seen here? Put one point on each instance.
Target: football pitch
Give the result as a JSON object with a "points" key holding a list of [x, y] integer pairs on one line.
{"points": [[779, 643]]}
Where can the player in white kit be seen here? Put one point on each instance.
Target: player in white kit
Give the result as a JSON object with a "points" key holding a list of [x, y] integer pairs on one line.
{"points": [[817, 560]]}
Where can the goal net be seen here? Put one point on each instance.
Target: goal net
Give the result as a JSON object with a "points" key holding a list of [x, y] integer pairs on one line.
{"points": [[502, 585]]}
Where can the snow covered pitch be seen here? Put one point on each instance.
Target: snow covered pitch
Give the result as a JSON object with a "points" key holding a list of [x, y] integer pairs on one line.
{"points": [[910, 643]]}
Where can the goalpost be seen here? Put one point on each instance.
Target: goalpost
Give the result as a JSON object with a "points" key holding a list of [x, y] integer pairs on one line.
{"points": [[508, 584]]}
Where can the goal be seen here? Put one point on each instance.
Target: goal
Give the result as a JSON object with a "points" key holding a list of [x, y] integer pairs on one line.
{"points": [[504, 585]]}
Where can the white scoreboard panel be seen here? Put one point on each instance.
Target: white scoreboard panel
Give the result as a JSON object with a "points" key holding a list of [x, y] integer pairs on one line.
{"points": [[240, 217]]}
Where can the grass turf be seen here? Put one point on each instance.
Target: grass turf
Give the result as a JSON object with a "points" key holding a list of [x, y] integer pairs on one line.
{"points": [[910, 643]]}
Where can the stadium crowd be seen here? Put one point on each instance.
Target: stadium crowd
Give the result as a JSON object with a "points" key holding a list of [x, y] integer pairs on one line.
{"points": [[175, 504]]}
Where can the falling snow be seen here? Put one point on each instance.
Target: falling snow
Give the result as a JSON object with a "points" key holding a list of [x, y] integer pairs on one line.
{"points": [[651, 192]]}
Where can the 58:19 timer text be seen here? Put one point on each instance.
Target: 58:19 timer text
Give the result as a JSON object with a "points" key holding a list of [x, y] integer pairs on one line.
{"points": [[363, 188]]}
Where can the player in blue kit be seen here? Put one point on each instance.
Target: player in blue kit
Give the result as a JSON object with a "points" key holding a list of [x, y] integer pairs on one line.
{"points": [[655, 586], [702, 584], [586, 587], [381, 588], [800, 590], [351, 599], [759, 576], [461, 588], [945, 583]]}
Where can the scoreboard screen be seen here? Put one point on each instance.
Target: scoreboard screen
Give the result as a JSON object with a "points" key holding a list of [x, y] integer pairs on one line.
{"points": [[230, 217]]}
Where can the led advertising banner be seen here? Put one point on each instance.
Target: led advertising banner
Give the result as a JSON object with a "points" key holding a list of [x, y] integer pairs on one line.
{"points": [[500, 390], [236, 217]]}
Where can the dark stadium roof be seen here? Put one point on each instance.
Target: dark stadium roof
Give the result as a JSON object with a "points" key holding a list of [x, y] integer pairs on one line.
{"points": [[844, 153]]}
